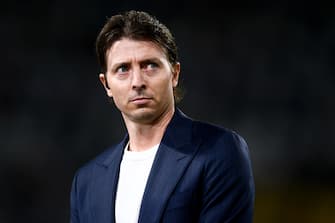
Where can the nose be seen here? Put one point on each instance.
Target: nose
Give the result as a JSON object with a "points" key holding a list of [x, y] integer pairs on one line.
{"points": [[138, 82]]}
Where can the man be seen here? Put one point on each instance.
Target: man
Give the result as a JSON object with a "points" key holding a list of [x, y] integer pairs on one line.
{"points": [[168, 168]]}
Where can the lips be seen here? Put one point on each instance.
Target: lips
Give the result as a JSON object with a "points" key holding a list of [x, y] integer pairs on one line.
{"points": [[140, 100]]}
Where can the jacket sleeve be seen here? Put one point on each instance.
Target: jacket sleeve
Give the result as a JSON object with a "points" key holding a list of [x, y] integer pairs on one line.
{"points": [[228, 186]]}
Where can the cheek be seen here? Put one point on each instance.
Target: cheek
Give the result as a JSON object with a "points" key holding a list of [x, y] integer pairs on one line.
{"points": [[165, 88], [118, 93], [119, 101]]}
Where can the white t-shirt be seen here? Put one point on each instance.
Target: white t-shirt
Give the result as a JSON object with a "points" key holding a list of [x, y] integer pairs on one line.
{"points": [[134, 171]]}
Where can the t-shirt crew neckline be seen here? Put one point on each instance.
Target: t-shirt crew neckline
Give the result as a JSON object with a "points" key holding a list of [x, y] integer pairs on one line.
{"points": [[139, 155]]}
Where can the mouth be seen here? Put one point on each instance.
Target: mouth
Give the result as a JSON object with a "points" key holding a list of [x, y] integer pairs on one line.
{"points": [[140, 100]]}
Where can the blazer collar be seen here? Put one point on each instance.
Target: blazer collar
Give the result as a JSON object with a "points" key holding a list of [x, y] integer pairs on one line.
{"points": [[105, 184], [175, 152], [178, 132], [114, 154]]}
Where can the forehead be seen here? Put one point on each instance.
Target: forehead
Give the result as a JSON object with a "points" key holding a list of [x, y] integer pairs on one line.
{"points": [[127, 49]]}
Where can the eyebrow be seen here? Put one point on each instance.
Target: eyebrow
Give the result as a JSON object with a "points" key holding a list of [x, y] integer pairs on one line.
{"points": [[117, 65], [153, 59], [127, 63]]}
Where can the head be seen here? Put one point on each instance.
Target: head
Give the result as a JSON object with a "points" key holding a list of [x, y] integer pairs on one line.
{"points": [[137, 25], [139, 66]]}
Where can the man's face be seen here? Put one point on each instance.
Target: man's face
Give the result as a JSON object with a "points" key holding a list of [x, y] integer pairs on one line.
{"points": [[140, 79]]}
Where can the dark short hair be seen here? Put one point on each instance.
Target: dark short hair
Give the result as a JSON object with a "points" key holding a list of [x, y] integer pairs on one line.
{"points": [[136, 25]]}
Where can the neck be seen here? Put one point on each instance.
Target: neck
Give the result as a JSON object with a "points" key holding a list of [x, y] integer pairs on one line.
{"points": [[144, 136]]}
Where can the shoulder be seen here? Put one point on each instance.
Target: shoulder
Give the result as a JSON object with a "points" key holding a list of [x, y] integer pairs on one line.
{"points": [[216, 134], [220, 143], [224, 163], [223, 152]]}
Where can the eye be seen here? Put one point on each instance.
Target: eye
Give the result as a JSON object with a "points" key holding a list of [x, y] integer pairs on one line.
{"points": [[150, 65], [122, 69]]}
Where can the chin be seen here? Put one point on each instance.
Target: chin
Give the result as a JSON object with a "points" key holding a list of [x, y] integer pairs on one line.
{"points": [[143, 115]]}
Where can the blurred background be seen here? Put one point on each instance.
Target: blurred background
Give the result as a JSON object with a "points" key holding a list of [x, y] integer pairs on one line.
{"points": [[263, 70]]}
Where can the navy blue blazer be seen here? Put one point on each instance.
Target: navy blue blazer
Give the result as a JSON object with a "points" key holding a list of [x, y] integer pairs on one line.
{"points": [[201, 173]]}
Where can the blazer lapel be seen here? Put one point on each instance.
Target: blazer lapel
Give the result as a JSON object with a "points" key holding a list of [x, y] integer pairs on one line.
{"points": [[105, 185], [172, 158]]}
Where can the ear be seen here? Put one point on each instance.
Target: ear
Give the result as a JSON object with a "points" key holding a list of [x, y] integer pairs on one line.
{"points": [[103, 80], [175, 73]]}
